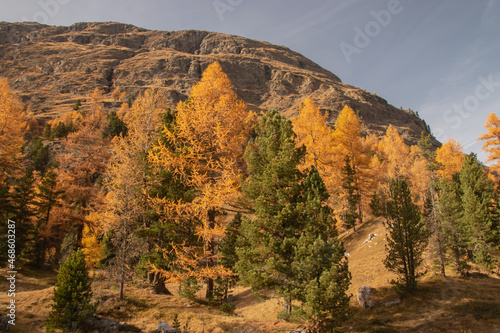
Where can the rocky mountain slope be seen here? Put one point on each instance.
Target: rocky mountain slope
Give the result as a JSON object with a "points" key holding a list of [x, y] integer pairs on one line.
{"points": [[51, 67]]}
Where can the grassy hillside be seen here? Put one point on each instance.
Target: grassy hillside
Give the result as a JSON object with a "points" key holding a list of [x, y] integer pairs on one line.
{"points": [[448, 304]]}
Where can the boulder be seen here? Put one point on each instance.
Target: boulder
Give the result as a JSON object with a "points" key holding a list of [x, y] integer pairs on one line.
{"points": [[364, 297], [163, 327]]}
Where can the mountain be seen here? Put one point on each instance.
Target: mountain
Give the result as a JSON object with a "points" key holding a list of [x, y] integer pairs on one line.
{"points": [[51, 67]]}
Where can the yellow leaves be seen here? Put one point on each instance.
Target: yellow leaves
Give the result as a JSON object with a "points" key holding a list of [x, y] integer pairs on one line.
{"points": [[210, 132], [347, 135], [313, 131], [396, 153], [91, 247], [492, 140], [206, 145], [12, 127], [401, 161], [450, 157]]}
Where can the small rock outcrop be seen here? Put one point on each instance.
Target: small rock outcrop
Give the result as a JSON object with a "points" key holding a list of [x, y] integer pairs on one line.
{"points": [[364, 297], [163, 327], [370, 238]]}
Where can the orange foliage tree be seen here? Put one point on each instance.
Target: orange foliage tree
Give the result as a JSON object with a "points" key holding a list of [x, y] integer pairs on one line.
{"points": [[449, 158], [205, 150], [127, 202], [347, 142], [82, 163], [403, 162], [12, 127], [492, 141], [313, 132]]}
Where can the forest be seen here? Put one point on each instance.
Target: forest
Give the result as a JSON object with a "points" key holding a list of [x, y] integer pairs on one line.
{"points": [[208, 195]]}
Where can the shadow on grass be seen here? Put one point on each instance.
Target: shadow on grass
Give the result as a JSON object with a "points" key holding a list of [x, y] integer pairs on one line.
{"points": [[438, 305]]}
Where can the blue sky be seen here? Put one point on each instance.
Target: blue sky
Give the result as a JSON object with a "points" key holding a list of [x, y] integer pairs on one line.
{"points": [[440, 58]]}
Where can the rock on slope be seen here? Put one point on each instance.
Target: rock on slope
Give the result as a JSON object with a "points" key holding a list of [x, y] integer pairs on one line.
{"points": [[52, 66]]}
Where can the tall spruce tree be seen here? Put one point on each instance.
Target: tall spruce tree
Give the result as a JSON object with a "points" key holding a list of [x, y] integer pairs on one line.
{"points": [[450, 216], [291, 244], [272, 189], [478, 208], [23, 200], [320, 268], [406, 235], [47, 198]]}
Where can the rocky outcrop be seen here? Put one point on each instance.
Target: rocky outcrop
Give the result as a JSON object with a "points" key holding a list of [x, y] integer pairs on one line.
{"points": [[365, 297], [163, 327], [51, 67]]}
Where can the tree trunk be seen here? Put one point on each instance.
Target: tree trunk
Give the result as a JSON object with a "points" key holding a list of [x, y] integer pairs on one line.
{"points": [[210, 247], [158, 283], [210, 288], [288, 306], [440, 254], [457, 262], [122, 282]]}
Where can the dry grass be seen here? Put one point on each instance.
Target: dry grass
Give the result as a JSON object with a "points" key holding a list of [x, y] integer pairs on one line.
{"points": [[452, 304]]}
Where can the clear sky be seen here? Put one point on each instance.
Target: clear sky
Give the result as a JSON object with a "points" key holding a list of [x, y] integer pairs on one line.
{"points": [[440, 58]]}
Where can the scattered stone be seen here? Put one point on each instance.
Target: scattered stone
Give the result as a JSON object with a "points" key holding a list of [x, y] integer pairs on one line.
{"points": [[364, 297], [163, 327], [101, 325], [370, 238], [4, 323], [392, 302]]}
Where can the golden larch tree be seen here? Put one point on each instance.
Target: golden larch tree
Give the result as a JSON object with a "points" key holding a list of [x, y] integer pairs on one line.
{"points": [[207, 142], [129, 184], [12, 127], [395, 154], [348, 142], [492, 141], [83, 162], [450, 158], [403, 162], [314, 133]]}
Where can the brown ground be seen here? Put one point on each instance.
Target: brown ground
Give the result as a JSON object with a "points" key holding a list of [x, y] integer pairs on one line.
{"points": [[448, 304]]}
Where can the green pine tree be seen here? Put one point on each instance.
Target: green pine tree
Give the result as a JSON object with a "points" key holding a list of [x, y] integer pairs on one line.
{"points": [[115, 125], [425, 144], [291, 243], [23, 204], [46, 200], [352, 194], [72, 295], [272, 189], [227, 246], [450, 220], [478, 209], [47, 131], [406, 236], [321, 275]]}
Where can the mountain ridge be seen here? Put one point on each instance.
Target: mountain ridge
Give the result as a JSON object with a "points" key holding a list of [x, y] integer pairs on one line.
{"points": [[52, 66]]}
